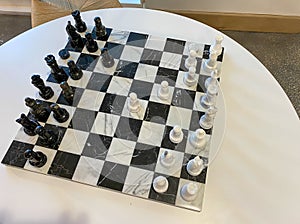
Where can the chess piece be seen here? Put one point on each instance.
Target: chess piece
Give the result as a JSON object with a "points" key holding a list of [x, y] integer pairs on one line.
{"points": [[75, 39], [211, 63], [106, 58], [189, 78], [64, 54], [189, 191], [206, 121], [210, 97], [60, 114], [176, 135], [58, 73], [195, 166], [67, 92], [191, 60], [37, 159], [45, 91], [134, 105], [160, 184], [75, 72], [163, 91], [91, 44], [217, 46], [38, 110], [213, 79], [47, 137], [79, 24], [167, 159], [29, 125], [198, 139], [100, 29]]}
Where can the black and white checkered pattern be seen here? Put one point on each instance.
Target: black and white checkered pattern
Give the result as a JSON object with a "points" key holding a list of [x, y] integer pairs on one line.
{"points": [[102, 143]]}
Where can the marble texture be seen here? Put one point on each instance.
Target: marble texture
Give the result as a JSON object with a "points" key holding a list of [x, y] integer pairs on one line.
{"points": [[151, 133], [179, 116]]}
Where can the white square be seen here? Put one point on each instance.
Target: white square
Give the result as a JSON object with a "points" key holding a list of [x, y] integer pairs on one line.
{"points": [[120, 151], [156, 43], [91, 100], [197, 106], [119, 85], [154, 95], [146, 73], [71, 110], [179, 116], [105, 124], [170, 60], [151, 133], [88, 170], [193, 151], [73, 141], [64, 62], [138, 182], [100, 44], [138, 115], [23, 137], [180, 83], [118, 36], [82, 83], [203, 71], [101, 69], [199, 48], [131, 53]]}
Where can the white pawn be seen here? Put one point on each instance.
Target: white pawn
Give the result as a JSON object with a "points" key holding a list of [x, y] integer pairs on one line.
{"points": [[189, 192], [195, 166], [211, 63], [207, 120], [133, 103], [210, 96], [217, 45], [198, 139], [213, 79], [167, 159], [176, 135], [190, 77], [160, 184], [163, 91], [191, 60]]}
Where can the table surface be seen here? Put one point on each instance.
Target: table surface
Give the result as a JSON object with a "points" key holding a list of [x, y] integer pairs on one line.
{"points": [[253, 179]]}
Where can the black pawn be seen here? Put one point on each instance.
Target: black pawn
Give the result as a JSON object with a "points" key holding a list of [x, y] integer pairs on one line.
{"points": [[45, 91], [79, 24], [47, 137], [58, 73], [75, 72], [60, 114], [100, 29], [91, 44], [67, 92], [38, 110], [29, 125], [106, 58], [74, 37], [37, 159]]}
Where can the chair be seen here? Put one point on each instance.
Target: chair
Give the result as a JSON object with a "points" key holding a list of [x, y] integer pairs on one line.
{"points": [[42, 12]]}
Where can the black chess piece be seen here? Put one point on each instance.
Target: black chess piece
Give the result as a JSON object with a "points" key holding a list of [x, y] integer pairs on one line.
{"points": [[64, 54], [29, 125], [74, 37], [47, 137], [67, 92], [100, 29], [37, 159], [37, 109], [60, 114], [45, 92], [106, 58], [79, 24], [58, 73], [91, 44], [75, 72]]}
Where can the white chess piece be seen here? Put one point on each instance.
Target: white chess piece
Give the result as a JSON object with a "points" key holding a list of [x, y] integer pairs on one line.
{"points": [[210, 97], [213, 79], [133, 103], [167, 159], [207, 120], [163, 91], [176, 135], [211, 63], [217, 46], [160, 184], [195, 166], [198, 139], [190, 77], [191, 60], [189, 191]]}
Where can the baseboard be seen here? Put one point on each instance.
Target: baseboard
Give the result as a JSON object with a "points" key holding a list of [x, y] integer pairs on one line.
{"points": [[245, 22]]}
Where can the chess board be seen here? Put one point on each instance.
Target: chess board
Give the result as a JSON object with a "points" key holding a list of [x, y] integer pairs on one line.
{"points": [[102, 144]]}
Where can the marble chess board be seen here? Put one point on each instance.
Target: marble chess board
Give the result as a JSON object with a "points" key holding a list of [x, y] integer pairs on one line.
{"points": [[103, 144]]}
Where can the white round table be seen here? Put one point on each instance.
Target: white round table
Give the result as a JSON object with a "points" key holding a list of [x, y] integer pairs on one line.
{"points": [[253, 179]]}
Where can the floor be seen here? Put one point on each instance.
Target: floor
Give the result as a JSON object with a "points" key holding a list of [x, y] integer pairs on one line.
{"points": [[280, 53]]}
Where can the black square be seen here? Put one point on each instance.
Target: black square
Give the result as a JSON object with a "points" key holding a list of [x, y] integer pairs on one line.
{"points": [[74, 102], [142, 89], [108, 31], [220, 57], [183, 98], [145, 156], [126, 69], [99, 82], [15, 154], [201, 83], [87, 61], [76, 49], [166, 142], [174, 46], [97, 146], [157, 112], [194, 125], [169, 196], [64, 164], [206, 51], [51, 76], [113, 176], [166, 74], [151, 57], [137, 39], [43, 117], [113, 104], [183, 68], [83, 119], [58, 131], [114, 49], [128, 128]]}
